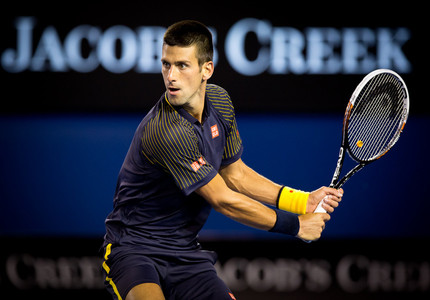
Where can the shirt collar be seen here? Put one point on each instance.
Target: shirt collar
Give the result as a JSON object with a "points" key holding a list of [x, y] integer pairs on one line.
{"points": [[186, 115]]}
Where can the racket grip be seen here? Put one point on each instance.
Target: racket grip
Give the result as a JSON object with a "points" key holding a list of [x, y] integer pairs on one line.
{"points": [[319, 208]]}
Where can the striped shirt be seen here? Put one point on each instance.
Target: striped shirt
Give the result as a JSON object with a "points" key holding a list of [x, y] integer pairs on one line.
{"points": [[171, 155]]}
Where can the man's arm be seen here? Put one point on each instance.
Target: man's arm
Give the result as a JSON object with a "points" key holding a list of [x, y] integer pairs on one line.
{"points": [[247, 211], [237, 206], [244, 180], [241, 178]]}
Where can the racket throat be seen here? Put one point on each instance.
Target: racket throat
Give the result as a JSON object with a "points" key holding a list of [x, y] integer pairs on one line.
{"points": [[357, 168], [336, 174]]}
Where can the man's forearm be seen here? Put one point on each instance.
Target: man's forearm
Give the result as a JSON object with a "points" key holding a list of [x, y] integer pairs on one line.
{"points": [[237, 206], [241, 178], [245, 210]]}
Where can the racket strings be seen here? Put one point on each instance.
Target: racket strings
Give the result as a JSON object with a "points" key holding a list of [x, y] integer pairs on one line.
{"points": [[376, 130], [379, 113], [373, 121], [376, 117], [381, 142]]}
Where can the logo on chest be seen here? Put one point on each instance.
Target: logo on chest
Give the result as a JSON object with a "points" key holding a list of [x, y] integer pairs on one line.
{"points": [[214, 131]]}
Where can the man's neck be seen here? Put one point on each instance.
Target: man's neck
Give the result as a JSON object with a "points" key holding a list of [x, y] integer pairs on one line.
{"points": [[196, 107]]}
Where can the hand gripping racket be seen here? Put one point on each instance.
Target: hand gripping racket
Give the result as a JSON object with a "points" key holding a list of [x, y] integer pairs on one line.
{"points": [[374, 118]]}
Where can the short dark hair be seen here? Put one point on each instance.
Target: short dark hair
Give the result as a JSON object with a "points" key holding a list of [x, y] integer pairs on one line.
{"points": [[187, 33]]}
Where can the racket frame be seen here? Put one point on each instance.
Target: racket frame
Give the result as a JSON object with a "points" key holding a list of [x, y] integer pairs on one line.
{"points": [[335, 183]]}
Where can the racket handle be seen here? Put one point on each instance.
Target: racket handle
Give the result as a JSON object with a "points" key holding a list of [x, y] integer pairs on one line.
{"points": [[319, 208]]}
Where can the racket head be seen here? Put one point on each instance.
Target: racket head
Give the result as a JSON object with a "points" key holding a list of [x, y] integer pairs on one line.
{"points": [[375, 116]]}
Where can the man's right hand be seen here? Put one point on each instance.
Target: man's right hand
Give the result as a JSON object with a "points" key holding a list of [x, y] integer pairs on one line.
{"points": [[312, 225]]}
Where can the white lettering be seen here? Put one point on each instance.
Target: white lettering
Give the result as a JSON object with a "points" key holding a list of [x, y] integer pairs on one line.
{"points": [[318, 278], [280, 50], [28, 272], [321, 55], [356, 55], [107, 51], [389, 50], [288, 273], [20, 271], [287, 49], [49, 51], [18, 60], [235, 46], [282, 275], [233, 272], [357, 273], [351, 273], [74, 50], [151, 41], [260, 274]]}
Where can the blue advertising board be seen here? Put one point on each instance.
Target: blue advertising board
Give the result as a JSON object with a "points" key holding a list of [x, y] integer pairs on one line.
{"points": [[58, 173]]}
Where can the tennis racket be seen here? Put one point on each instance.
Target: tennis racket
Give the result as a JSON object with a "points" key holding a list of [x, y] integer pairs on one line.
{"points": [[374, 118]]}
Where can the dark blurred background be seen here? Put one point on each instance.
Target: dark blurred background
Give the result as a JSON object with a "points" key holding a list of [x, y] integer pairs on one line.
{"points": [[78, 77]]}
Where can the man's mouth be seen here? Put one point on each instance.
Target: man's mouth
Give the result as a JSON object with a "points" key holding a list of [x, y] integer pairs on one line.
{"points": [[173, 90]]}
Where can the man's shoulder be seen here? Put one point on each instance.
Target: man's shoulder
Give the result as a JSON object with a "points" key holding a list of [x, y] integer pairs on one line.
{"points": [[163, 126], [216, 92], [221, 100]]}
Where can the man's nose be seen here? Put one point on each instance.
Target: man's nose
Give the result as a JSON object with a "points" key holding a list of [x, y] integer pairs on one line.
{"points": [[171, 75]]}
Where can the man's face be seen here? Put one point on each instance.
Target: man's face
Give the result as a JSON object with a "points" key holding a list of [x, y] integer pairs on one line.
{"points": [[182, 74]]}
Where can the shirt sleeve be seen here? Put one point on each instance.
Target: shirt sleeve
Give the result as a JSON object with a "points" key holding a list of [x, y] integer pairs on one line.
{"points": [[174, 147], [223, 104], [233, 148]]}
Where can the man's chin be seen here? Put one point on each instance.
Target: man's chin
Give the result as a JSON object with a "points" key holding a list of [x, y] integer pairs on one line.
{"points": [[174, 100]]}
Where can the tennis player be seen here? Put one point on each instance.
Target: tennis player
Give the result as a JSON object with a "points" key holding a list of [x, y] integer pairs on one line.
{"points": [[184, 159]]}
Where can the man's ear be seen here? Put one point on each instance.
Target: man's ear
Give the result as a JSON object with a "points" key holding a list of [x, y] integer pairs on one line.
{"points": [[207, 70]]}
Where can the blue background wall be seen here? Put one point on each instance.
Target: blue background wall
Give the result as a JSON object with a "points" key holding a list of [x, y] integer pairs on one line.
{"points": [[59, 172]]}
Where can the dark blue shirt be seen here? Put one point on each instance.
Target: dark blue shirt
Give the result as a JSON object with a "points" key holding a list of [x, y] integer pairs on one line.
{"points": [[171, 155]]}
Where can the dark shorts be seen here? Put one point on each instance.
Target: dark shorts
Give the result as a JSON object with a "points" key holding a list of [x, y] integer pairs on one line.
{"points": [[185, 275]]}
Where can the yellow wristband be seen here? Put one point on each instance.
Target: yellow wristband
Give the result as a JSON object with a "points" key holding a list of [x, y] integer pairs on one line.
{"points": [[292, 200]]}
